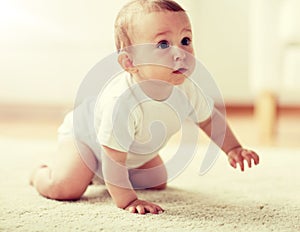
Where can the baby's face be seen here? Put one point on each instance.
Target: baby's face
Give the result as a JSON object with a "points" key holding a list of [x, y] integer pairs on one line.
{"points": [[163, 47]]}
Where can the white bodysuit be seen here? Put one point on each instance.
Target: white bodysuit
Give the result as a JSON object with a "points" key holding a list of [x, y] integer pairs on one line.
{"points": [[124, 118]]}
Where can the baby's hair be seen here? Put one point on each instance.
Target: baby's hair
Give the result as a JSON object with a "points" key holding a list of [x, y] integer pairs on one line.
{"points": [[135, 7]]}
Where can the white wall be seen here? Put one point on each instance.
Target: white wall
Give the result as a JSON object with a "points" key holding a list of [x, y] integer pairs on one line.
{"points": [[47, 47], [274, 63], [222, 28]]}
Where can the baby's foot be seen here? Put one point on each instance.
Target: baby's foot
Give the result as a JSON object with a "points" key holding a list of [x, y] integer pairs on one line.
{"points": [[33, 173]]}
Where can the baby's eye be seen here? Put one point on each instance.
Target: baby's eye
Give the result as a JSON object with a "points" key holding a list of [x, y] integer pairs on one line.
{"points": [[186, 41], [163, 44]]}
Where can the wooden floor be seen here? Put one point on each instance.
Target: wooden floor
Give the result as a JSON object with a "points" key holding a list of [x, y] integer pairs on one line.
{"points": [[43, 125], [286, 134]]}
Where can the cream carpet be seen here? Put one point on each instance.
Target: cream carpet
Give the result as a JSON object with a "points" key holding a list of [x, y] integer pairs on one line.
{"points": [[266, 198]]}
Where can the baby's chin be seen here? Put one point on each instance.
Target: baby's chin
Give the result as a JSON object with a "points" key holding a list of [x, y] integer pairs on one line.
{"points": [[178, 79]]}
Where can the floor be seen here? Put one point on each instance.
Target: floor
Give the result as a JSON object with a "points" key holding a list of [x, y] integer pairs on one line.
{"points": [[286, 134], [265, 198]]}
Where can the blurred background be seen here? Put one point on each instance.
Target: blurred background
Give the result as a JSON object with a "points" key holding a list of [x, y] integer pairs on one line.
{"points": [[251, 48]]}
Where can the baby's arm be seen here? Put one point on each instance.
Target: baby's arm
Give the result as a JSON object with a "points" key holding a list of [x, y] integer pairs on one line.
{"points": [[231, 146], [116, 177]]}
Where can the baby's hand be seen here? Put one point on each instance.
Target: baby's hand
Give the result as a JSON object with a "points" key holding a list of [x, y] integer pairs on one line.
{"points": [[142, 207], [239, 154]]}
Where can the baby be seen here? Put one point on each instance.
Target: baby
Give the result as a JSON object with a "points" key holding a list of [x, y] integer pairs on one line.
{"points": [[114, 142]]}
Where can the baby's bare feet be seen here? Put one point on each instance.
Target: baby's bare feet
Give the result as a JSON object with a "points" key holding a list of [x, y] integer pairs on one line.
{"points": [[33, 173]]}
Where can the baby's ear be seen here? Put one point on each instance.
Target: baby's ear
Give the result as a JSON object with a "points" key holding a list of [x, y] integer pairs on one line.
{"points": [[126, 62]]}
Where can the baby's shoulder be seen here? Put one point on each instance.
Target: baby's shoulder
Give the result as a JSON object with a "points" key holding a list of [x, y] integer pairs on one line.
{"points": [[117, 91]]}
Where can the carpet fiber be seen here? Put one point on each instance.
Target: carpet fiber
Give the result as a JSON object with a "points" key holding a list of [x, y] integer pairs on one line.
{"points": [[266, 198]]}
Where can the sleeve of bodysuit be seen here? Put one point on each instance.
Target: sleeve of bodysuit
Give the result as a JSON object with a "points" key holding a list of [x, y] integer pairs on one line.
{"points": [[201, 104], [116, 128]]}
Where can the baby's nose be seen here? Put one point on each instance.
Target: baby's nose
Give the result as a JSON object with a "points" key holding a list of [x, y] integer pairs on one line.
{"points": [[178, 53]]}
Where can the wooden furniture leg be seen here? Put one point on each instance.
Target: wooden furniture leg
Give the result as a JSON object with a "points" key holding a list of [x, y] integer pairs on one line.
{"points": [[266, 116]]}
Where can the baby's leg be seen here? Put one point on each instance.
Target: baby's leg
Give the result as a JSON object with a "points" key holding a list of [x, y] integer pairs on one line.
{"points": [[151, 175], [67, 177]]}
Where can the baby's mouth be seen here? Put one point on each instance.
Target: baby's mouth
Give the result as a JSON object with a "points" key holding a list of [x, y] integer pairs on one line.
{"points": [[180, 71]]}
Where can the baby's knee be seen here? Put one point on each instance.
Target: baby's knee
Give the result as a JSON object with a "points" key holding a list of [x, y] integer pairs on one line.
{"points": [[60, 190], [159, 187]]}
